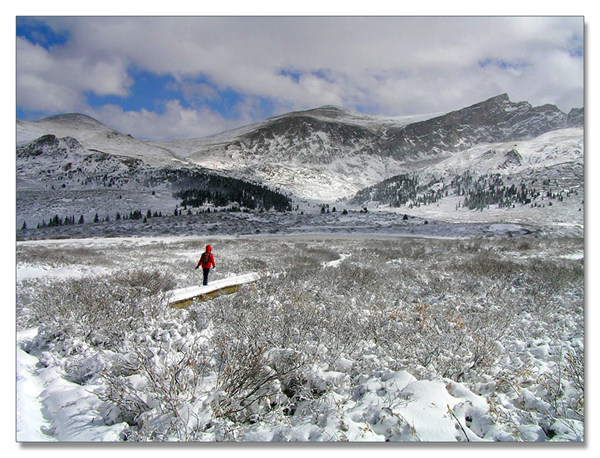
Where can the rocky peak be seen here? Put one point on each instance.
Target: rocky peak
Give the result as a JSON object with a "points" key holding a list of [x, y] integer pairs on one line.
{"points": [[511, 158], [493, 120], [575, 118], [48, 145], [324, 134]]}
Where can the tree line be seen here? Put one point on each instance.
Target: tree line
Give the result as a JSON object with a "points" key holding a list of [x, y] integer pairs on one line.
{"points": [[404, 189], [477, 192], [57, 221], [199, 189]]}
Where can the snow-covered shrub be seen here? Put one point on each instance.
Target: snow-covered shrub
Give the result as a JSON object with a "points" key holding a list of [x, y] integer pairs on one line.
{"points": [[489, 266], [257, 356], [151, 282], [549, 399], [564, 386], [452, 340], [67, 255], [323, 345], [153, 384], [247, 385], [99, 309]]}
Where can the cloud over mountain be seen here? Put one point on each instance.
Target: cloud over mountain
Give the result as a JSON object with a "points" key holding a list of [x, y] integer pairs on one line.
{"points": [[192, 76]]}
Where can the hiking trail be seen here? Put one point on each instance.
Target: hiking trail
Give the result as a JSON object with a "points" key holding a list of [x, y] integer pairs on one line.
{"points": [[184, 297]]}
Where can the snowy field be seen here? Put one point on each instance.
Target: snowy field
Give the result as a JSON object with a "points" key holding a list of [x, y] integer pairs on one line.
{"points": [[416, 332], [434, 220]]}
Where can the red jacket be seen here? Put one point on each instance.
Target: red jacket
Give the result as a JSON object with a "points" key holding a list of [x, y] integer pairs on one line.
{"points": [[211, 259]]}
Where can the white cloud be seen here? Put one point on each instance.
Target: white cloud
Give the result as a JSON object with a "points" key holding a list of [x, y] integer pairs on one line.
{"points": [[57, 81], [39, 86], [173, 122], [392, 65]]}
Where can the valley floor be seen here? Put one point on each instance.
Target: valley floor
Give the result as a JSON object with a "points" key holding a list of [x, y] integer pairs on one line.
{"points": [[454, 333], [425, 222]]}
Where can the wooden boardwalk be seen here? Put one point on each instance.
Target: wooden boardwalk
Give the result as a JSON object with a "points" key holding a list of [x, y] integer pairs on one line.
{"points": [[182, 298]]}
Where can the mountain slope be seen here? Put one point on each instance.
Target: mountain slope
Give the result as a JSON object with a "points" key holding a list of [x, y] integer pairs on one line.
{"points": [[557, 155], [60, 181], [93, 135], [330, 152], [494, 120], [325, 153]]}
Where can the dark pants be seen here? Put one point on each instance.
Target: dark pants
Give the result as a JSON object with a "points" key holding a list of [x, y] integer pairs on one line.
{"points": [[205, 271]]}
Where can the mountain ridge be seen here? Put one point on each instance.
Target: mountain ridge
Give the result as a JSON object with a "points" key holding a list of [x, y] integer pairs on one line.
{"points": [[442, 166], [323, 153]]}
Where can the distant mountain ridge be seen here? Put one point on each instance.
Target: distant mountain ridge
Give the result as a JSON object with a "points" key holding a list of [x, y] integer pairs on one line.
{"points": [[491, 121], [366, 149], [323, 135], [93, 135], [322, 153]]}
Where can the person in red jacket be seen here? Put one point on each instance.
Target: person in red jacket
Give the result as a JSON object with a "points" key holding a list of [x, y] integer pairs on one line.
{"points": [[207, 260]]}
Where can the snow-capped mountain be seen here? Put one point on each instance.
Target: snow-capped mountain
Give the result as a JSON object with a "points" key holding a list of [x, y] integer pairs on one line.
{"points": [[324, 135], [93, 136], [331, 152], [323, 154]]}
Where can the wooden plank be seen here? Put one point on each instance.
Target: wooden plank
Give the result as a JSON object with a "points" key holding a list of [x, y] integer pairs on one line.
{"points": [[183, 303], [185, 297]]}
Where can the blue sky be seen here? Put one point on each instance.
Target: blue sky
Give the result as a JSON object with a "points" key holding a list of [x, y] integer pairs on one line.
{"points": [[161, 78]]}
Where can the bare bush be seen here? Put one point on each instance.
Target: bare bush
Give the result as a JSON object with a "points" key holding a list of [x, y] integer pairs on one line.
{"points": [[483, 264], [156, 382], [67, 255], [437, 308], [565, 386], [102, 309]]}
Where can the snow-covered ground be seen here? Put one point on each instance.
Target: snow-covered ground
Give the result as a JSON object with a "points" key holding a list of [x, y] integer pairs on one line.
{"points": [[450, 337], [444, 325]]}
